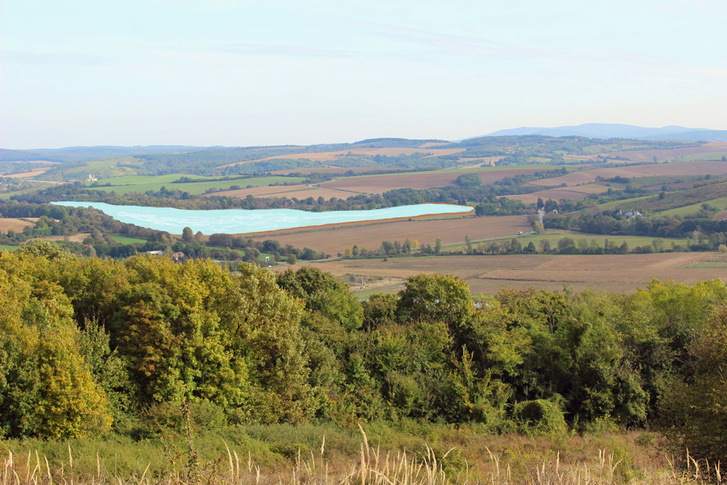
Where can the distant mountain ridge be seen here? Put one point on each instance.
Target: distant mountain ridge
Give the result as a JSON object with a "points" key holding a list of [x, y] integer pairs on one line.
{"points": [[613, 130]]}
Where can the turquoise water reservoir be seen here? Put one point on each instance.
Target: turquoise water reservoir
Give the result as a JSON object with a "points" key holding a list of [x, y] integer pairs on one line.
{"points": [[238, 221]]}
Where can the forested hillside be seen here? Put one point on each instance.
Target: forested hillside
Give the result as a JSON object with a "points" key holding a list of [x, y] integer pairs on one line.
{"points": [[91, 346]]}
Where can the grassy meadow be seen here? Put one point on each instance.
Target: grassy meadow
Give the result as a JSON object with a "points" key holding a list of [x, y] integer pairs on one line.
{"points": [[127, 240], [375, 453], [142, 183], [720, 204]]}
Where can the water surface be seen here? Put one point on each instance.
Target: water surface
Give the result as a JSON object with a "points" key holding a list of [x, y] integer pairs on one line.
{"points": [[239, 221]]}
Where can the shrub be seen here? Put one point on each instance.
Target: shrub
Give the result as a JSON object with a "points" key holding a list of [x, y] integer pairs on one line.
{"points": [[540, 416]]}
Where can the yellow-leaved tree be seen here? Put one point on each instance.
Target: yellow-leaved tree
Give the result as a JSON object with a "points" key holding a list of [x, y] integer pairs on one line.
{"points": [[46, 388]]}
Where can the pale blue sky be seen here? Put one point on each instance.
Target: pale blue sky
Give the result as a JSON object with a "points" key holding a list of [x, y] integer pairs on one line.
{"points": [[239, 73]]}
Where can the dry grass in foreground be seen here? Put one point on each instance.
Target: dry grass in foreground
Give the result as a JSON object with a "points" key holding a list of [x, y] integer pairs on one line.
{"points": [[372, 466]]}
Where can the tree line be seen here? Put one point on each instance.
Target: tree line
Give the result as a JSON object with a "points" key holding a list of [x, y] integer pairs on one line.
{"points": [[91, 346], [703, 231]]}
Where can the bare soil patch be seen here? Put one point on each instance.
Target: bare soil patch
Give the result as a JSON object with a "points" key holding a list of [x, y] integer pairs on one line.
{"points": [[721, 216], [16, 225], [489, 274], [335, 239], [629, 171]]}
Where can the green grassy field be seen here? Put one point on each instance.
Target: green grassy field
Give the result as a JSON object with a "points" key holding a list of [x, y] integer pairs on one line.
{"points": [[707, 265], [720, 204], [4, 247], [127, 240], [105, 168], [139, 183], [620, 204], [699, 157]]}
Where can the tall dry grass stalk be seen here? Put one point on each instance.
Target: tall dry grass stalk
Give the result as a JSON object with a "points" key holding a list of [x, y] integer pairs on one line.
{"points": [[372, 466]]}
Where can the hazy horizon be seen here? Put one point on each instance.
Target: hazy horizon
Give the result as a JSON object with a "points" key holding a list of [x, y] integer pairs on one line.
{"points": [[225, 73]]}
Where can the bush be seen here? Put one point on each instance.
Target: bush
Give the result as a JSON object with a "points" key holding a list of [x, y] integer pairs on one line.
{"points": [[540, 416]]}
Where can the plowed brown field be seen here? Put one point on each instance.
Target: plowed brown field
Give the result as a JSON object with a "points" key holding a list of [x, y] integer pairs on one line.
{"points": [[335, 239], [489, 274]]}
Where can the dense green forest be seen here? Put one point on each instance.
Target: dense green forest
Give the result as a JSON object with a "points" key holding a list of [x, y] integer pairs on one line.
{"points": [[90, 347]]}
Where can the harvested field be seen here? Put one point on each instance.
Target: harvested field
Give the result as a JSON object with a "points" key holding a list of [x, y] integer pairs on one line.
{"points": [[369, 235], [331, 156], [629, 171], [15, 225], [572, 193], [42, 167], [721, 216], [31, 173], [378, 184], [78, 238], [489, 274], [646, 156], [298, 191]]}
